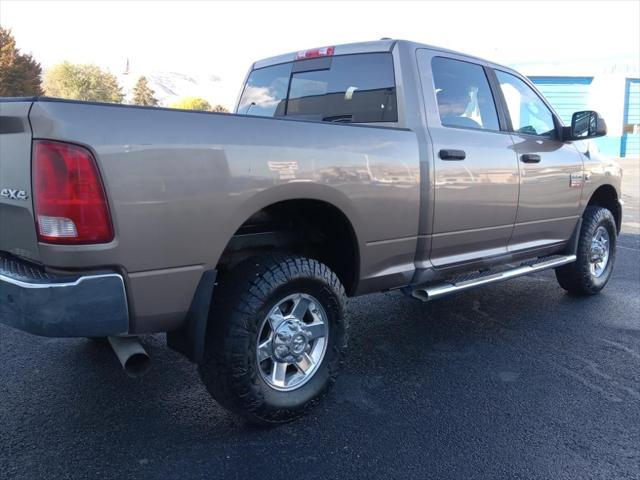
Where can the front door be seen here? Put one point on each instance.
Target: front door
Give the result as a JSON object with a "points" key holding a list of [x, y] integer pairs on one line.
{"points": [[551, 171], [475, 170]]}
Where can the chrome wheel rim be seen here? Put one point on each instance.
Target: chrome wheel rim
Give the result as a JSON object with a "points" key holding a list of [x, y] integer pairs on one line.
{"points": [[292, 342], [599, 252]]}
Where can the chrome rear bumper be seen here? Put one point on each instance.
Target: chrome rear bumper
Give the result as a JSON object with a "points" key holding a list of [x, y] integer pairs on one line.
{"points": [[50, 305]]}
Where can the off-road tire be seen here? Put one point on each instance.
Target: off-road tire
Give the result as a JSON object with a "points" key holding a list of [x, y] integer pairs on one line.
{"points": [[242, 299], [576, 277]]}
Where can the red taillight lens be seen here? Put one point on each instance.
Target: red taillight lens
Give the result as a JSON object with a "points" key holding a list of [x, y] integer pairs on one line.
{"points": [[70, 203]]}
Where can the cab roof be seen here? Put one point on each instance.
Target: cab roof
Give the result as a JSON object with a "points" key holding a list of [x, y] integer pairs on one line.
{"points": [[383, 45]]}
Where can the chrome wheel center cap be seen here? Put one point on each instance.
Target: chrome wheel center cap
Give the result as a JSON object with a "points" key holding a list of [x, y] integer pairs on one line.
{"points": [[597, 251], [290, 342]]}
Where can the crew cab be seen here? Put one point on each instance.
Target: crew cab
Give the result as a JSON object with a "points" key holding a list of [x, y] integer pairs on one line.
{"points": [[344, 170]]}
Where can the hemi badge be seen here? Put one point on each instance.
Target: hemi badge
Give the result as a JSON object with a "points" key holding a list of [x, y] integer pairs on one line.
{"points": [[576, 180]]}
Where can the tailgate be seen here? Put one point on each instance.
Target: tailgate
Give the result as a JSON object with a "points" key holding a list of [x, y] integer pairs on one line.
{"points": [[17, 227]]}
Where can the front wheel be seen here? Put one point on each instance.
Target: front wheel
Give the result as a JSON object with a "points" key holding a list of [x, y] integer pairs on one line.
{"points": [[276, 337], [595, 255]]}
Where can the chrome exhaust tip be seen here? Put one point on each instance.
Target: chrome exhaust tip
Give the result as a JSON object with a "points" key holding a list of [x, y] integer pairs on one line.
{"points": [[132, 356]]}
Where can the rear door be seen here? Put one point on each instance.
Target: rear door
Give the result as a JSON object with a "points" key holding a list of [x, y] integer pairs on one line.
{"points": [[475, 169], [550, 170]]}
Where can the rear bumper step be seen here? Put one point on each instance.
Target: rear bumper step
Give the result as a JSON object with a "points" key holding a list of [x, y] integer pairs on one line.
{"points": [[50, 305], [440, 290]]}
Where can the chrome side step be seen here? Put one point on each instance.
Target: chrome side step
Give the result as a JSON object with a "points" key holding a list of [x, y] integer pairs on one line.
{"points": [[437, 291]]}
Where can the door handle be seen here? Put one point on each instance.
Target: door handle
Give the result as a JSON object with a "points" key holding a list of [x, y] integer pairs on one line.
{"points": [[530, 158], [446, 154]]}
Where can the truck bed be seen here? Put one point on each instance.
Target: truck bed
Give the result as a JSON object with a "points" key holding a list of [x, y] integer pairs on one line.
{"points": [[180, 183]]}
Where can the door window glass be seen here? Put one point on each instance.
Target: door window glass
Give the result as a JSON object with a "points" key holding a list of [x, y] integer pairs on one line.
{"points": [[463, 94], [527, 111]]}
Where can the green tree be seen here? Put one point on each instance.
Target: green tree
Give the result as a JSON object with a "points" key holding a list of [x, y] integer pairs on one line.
{"points": [[192, 103], [220, 108], [82, 82], [19, 72], [142, 93]]}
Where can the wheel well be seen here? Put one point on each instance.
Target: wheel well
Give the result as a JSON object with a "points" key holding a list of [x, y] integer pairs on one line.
{"points": [[311, 228], [606, 197]]}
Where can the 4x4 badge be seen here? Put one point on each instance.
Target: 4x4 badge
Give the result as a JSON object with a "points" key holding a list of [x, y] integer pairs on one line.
{"points": [[12, 194]]}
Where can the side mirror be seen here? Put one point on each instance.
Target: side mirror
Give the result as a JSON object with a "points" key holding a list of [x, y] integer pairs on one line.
{"points": [[586, 124]]}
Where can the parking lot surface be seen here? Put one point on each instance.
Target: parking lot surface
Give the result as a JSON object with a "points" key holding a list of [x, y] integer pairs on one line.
{"points": [[515, 381]]}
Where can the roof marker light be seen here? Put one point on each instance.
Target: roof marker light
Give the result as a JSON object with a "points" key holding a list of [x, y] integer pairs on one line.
{"points": [[315, 53]]}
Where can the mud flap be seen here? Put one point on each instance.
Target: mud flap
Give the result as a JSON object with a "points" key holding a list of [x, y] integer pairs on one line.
{"points": [[190, 339]]}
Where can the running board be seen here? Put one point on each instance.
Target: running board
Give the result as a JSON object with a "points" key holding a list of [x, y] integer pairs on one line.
{"points": [[437, 291]]}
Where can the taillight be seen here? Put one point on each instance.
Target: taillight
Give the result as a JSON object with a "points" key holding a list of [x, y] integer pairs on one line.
{"points": [[315, 53], [69, 199]]}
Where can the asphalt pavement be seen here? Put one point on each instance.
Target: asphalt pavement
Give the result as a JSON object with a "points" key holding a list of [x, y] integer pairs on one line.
{"points": [[515, 381]]}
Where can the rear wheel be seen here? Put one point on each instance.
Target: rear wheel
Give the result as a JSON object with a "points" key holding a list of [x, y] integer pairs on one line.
{"points": [[276, 337], [595, 255]]}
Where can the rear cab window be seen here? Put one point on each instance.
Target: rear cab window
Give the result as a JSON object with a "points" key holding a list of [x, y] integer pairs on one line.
{"points": [[265, 89], [356, 88]]}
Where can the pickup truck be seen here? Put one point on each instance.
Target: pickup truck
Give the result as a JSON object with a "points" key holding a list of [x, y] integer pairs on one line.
{"points": [[343, 171]]}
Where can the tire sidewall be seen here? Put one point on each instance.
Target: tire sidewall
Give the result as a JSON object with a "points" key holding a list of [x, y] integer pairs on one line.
{"points": [[601, 218]]}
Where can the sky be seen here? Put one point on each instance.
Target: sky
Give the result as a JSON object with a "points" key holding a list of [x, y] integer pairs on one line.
{"points": [[203, 38]]}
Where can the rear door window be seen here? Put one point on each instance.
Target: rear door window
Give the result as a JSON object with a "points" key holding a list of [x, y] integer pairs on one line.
{"points": [[463, 94], [349, 88]]}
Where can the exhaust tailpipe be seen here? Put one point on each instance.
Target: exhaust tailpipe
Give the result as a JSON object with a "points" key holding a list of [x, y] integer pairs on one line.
{"points": [[131, 354]]}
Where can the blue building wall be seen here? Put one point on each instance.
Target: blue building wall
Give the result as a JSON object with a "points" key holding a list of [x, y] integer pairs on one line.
{"points": [[630, 145], [569, 94], [566, 94]]}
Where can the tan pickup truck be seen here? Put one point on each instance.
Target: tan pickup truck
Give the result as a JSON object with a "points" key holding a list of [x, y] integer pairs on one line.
{"points": [[343, 171]]}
